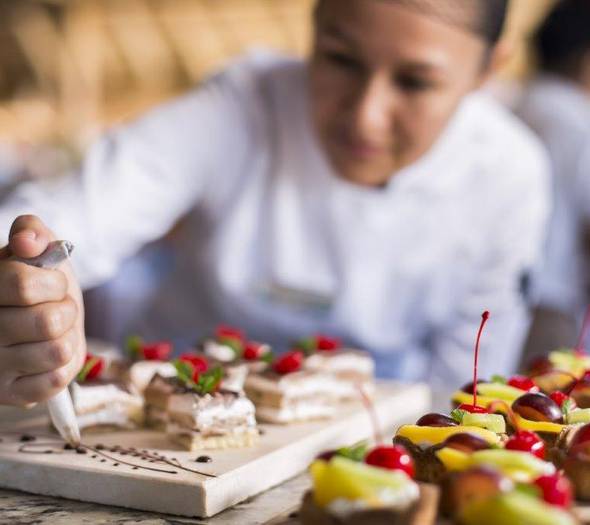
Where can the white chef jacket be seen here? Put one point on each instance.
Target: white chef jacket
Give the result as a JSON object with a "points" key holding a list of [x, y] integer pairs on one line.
{"points": [[559, 112], [278, 244]]}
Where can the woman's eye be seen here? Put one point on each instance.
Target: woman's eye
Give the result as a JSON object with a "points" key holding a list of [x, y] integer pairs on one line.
{"points": [[412, 83], [342, 60]]}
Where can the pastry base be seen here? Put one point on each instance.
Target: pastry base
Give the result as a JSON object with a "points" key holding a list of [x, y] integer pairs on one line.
{"points": [[423, 512]]}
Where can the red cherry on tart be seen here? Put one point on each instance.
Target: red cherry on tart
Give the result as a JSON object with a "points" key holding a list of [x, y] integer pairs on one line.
{"points": [[473, 409], [327, 344], [159, 351], [523, 383], [556, 489], [198, 362], [391, 457], [527, 441], [560, 398], [436, 420], [288, 362], [229, 332]]}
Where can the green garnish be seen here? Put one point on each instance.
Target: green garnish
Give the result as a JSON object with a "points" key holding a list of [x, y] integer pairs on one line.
{"points": [[307, 345], [133, 345], [89, 365], [355, 452], [206, 382], [268, 357], [498, 379], [235, 344], [566, 407], [457, 414]]}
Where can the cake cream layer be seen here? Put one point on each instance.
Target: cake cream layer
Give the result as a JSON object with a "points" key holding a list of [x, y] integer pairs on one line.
{"points": [[353, 364], [141, 373], [211, 414], [89, 397], [302, 410]]}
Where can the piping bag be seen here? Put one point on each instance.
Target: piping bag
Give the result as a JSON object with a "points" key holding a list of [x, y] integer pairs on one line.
{"points": [[61, 408]]}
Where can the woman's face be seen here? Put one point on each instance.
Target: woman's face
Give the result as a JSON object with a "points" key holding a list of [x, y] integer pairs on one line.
{"points": [[384, 82]]}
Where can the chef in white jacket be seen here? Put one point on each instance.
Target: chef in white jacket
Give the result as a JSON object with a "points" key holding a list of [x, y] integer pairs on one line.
{"points": [[556, 105], [369, 193]]}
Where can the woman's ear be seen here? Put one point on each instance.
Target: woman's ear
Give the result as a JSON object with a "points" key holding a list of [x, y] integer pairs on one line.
{"points": [[498, 57]]}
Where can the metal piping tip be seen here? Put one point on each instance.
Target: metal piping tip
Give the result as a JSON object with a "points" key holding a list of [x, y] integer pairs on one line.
{"points": [[69, 247]]}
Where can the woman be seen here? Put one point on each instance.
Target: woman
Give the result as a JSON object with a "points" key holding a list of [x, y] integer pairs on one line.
{"points": [[556, 105], [367, 194]]}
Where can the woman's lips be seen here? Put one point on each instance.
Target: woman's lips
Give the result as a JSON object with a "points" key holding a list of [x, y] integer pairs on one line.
{"points": [[361, 149]]}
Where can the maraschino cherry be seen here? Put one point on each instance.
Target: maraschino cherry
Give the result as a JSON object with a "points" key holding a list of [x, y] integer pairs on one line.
{"points": [[474, 408], [556, 489], [560, 398], [527, 441], [288, 362], [391, 457]]}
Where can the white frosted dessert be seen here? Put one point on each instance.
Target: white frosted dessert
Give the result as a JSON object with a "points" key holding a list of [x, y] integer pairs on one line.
{"points": [[98, 405], [220, 419], [141, 373], [353, 368], [297, 396]]}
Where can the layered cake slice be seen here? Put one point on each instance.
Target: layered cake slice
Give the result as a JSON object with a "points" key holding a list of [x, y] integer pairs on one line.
{"points": [[353, 368], [202, 414], [286, 392], [101, 398]]}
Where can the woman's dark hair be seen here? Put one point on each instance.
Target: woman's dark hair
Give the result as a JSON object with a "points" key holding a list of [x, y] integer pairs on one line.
{"points": [[564, 37], [485, 18]]}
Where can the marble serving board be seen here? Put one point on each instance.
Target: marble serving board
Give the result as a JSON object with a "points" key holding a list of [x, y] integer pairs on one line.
{"points": [[121, 477]]}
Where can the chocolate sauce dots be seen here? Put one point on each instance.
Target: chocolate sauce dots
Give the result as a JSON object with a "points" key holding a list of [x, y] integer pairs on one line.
{"points": [[27, 437], [204, 459]]}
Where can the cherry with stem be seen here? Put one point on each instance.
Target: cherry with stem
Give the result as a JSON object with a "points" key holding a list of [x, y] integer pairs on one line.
{"points": [[484, 319]]}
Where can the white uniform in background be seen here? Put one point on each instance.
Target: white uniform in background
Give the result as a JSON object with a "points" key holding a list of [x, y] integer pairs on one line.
{"points": [[559, 112], [277, 244]]}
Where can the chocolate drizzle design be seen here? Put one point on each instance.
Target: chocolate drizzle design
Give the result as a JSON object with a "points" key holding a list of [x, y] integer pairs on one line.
{"points": [[32, 446]]}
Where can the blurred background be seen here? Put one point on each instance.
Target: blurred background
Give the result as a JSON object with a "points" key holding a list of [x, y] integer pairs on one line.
{"points": [[69, 69]]}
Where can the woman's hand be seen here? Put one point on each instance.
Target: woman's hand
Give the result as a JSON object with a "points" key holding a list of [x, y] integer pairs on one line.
{"points": [[42, 341]]}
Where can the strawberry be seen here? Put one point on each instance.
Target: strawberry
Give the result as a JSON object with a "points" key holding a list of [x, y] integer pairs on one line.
{"points": [[288, 362]]}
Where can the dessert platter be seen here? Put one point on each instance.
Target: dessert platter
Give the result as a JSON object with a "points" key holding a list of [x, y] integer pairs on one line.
{"points": [[511, 451], [214, 426]]}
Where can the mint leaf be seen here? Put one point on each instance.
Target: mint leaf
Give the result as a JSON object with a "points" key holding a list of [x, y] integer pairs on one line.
{"points": [[308, 345], [457, 414], [566, 407], [355, 453], [185, 372], [233, 343], [498, 379], [133, 345], [267, 357]]}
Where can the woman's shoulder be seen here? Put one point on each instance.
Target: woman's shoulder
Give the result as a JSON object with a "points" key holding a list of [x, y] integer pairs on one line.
{"points": [[497, 136]]}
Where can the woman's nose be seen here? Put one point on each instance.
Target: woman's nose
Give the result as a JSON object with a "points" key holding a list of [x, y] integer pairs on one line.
{"points": [[373, 108]]}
